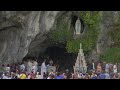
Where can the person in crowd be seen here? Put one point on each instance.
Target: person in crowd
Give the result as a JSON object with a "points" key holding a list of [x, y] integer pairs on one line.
{"points": [[31, 71], [107, 67], [107, 75], [68, 74], [59, 76], [93, 65], [38, 76], [110, 67], [8, 68], [43, 68], [17, 74], [115, 68], [101, 76], [51, 62], [33, 68], [5, 76], [115, 76], [94, 75], [44, 75], [22, 76], [99, 68]]}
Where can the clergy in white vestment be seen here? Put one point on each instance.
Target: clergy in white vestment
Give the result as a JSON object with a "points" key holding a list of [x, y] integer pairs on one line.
{"points": [[36, 65], [29, 67], [43, 69]]}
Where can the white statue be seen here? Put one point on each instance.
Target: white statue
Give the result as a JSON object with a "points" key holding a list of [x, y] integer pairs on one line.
{"points": [[43, 68], [78, 26]]}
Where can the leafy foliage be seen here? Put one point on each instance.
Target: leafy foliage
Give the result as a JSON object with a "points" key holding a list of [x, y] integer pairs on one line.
{"points": [[90, 37], [63, 34], [90, 18], [111, 55], [114, 33], [88, 42]]}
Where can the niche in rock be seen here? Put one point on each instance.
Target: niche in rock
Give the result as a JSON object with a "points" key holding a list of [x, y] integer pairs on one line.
{"points": [[73, 22]]}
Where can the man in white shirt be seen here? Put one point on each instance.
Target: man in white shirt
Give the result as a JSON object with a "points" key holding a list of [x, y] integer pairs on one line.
{"points": [[115, 68], [93, 65]]}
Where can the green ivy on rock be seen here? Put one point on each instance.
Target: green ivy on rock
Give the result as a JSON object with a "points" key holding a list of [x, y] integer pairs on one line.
{"points": [[114, 33], [90, 37], [88, 42], [62, 33], [111, 55]]}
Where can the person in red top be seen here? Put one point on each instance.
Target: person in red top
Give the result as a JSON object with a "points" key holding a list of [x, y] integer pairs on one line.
{"points": [[32, 75], [99, 68]]}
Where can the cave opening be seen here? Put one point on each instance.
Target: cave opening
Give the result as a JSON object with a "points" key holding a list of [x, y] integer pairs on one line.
{"points": [[56, 50], [60, 57]]}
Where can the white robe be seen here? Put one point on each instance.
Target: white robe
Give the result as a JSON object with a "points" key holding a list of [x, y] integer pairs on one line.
{"points": [[29, 67], [33, 69], [38, 77], [115, 69], [78, 26], [93, 66], [43, 69], [36, 66]]}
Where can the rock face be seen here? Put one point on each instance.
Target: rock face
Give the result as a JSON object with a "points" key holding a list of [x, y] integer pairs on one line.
{"points": [[108, 18], [18, 29], [25, 32]]}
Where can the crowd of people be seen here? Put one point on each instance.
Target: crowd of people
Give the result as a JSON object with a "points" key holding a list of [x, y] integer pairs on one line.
{"points": [[30, 69]]}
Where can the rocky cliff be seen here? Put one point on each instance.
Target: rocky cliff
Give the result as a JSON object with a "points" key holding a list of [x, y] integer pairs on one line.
{"points": [[104, 41], [25, 32], [21, 31]]}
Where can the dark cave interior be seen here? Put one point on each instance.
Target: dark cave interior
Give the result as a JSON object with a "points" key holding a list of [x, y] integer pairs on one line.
{"points": [[60, 57]]}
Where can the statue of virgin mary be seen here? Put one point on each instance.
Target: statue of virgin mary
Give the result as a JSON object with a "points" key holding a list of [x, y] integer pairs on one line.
{"points": [[77, 26]]}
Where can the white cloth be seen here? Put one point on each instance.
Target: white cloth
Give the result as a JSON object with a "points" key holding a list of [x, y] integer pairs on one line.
{"points": [[17, 75], [22, 67], [34, 69], [29, 76], [115, 69], [80, 76], [5, 77], [7, 69], [29, 67], [36, 66], [107, 66], [38, 77], [43, 69], [48, 78]]}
